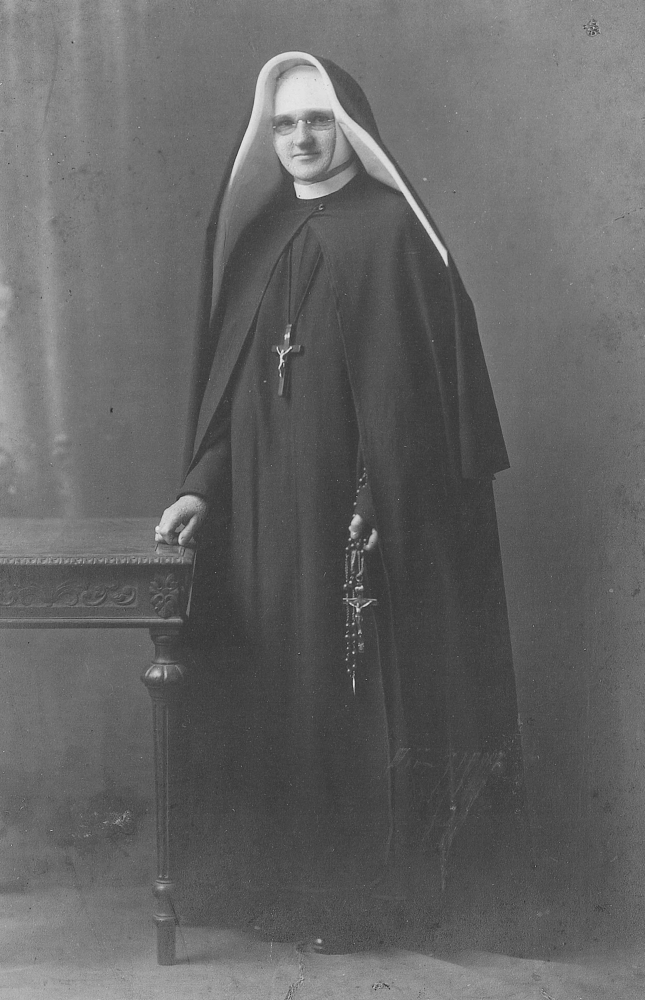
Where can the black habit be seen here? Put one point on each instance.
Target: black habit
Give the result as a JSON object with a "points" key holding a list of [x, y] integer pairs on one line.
{"points": [[390, 379]]}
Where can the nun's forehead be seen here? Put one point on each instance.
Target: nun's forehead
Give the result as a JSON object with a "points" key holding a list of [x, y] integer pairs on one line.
{"points": [[300, 87]]}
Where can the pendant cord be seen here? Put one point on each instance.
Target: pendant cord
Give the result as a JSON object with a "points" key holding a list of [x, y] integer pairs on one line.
{"points": [[310, 281], [289, 282]]}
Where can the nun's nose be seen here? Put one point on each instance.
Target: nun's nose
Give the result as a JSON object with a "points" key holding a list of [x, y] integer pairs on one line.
{"points": [[303, 133]]}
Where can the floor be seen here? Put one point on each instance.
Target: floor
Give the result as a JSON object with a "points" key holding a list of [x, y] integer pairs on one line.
{"points": [[83, 930], [97, 943]]}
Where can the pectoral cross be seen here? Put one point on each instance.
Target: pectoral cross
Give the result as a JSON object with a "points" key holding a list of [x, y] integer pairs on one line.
{"points": [[283, 351]]}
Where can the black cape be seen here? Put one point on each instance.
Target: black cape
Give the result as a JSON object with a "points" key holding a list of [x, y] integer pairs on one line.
{"points": [[430, 442]]}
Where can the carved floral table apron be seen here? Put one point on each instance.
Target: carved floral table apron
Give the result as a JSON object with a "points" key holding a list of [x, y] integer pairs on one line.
{"points": [[104, 573]]}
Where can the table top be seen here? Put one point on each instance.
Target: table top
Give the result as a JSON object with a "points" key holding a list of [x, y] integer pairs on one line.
{"points": [[128, 540], [90, 573]]}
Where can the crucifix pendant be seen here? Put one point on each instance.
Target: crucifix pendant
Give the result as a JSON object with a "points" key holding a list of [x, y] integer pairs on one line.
{"points": [[356, 602], [283, 351]]}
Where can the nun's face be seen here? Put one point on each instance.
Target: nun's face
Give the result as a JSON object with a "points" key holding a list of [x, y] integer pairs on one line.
{"points": [[304, 129], [305, 140]]}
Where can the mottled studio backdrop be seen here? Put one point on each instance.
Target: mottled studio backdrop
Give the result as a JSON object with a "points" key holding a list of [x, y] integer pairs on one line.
{"points": [[521, 122]]}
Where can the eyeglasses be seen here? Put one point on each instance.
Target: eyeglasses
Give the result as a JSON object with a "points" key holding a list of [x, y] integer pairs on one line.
{"points": [[318, 122]]}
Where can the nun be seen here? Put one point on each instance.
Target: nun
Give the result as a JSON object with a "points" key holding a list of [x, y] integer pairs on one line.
{"points": [[343, 443]]}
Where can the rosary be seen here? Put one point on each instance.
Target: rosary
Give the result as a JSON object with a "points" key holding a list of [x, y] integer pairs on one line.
{"points": [[355, 603]]}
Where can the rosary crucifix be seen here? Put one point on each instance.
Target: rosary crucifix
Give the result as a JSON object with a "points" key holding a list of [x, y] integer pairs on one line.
{"points": [[283, 351]]}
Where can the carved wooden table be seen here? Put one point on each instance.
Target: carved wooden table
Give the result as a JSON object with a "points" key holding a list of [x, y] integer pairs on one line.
{"points": [[107, 574]]}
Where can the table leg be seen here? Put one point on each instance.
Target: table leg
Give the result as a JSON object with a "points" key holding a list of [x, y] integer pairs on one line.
{"points": [[165, 679]]}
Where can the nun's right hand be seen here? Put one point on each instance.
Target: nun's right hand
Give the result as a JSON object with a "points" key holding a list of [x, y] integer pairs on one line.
{"points": [[182, 520]]}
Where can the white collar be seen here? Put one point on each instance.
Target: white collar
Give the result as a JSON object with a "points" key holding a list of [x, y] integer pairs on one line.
{"points": [[307, 192]]}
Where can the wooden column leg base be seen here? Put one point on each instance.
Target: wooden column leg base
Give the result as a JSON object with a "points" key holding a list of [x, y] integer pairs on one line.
{"points": [[165, 921], [165, 941]]}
